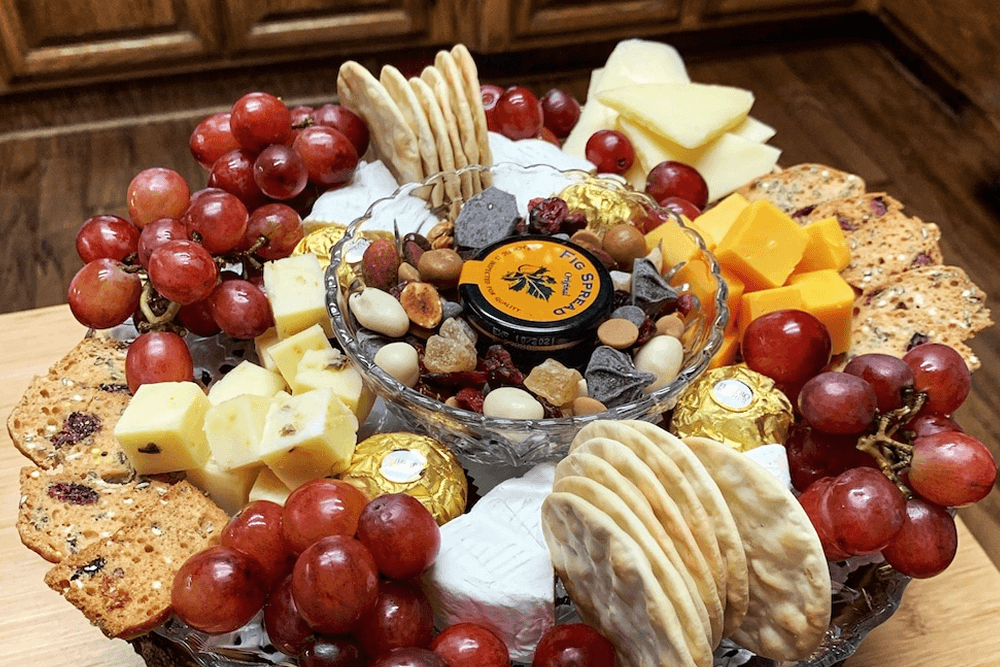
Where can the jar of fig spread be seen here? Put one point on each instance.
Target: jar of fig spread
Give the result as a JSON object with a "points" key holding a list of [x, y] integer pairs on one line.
{"points": [[536, 293]]}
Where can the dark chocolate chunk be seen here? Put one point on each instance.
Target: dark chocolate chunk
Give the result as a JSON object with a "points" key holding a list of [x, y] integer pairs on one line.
{"points": [[486, 218]]}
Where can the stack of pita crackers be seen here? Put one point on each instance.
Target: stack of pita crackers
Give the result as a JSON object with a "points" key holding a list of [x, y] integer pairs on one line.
{"points": [[669, 546], [906, 295], [425, 125]]}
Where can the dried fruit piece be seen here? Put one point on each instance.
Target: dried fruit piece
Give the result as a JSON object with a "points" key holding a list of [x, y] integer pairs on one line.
{"points": [[422, 304], [73, 493], [500, 369], [446, 355], [380, 265], [78, 425], [554, 382]]}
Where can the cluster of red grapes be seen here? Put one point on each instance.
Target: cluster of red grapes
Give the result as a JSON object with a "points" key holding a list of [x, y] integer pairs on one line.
{"points": [[335, 576], [875, 452], [195, 259]]}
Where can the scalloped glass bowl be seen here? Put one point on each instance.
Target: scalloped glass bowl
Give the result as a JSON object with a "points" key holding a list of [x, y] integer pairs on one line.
{"points": [[474, 437]]}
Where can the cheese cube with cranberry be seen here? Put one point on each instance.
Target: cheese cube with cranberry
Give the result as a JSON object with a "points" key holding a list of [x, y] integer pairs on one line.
{"points": [[162, 430], [295, 288], [330, 368]]}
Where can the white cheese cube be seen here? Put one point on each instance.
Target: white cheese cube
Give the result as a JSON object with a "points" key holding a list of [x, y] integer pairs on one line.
{"points": [[308, 436], [230, 489], [268, 487], [262, 344], [331, 368], [234, 429], [294, 287], [246, 378], [288, 352], [162, 430]]}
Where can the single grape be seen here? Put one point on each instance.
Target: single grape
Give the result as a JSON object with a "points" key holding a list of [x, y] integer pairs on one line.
{"points": [[952, 469], [865, 510], [256, 530], [402, 616], [102, 294], [340, 651], [491, 95], [280, 172], [183, 271], [157, 356], [218, 220], [518, 113], [335, 584], [677, 179], [157, 233], [929, 423], [409, 656], [106, 236], [346, 122], [889, 376], [280, 226], [471, 645], [218, 590], [259, 120], [681, 206], [233, 173], [941, 373], [789, 346], [330, 157], [813, 455], [813, 501], [401, 534], [197, 318], [286, 628], [545, 134], [154, 193], [240, 309], [211, 139], [835, 402], [319, 508], [927, 542], [573, 645], [560, 112], [611, 151]]}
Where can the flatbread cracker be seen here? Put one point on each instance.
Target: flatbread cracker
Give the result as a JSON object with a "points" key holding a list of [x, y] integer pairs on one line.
{"points": [[395, 143], [470, 75], [435, 119], [612, 584], [435, 79], [413, 112], [445, 63], [790, 594]]}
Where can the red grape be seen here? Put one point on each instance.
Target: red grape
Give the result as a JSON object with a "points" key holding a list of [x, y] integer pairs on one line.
{"points": [[813, 501], [941, 373], [346, 122], [676, 179], [491, 95], [330, 156], [240, 309], [102, 294], [341, 651], [335, 584], [280, 172], [197, 318], [218, 220], [573, 645], [401, 534], [256, 530], [929, 423], [865, 510], [402, 616], [319, 508], [952, 468], [681, 206], [211, 139], [789, 346], [835, 402], [888, 376], [927, 542], [561, 111], [157, 233], [259, 120], [279, 224], [233, 173], [183, 271], [409, 656], [471, 645], [157, 192], [545, 134], [518, 113], [218, 590], [157, 356], [285, 627], [813, 455], [106, 236], [611, 151]]}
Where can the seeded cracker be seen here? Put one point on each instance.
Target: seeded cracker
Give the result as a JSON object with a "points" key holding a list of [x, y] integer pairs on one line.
{"points": [[797, 187]]}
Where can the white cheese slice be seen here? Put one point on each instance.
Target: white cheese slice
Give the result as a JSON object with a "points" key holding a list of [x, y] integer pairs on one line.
{"points": [[752, 129], [774, 458], [494, 567], [639, 61], [528, 152], [687, 114]]}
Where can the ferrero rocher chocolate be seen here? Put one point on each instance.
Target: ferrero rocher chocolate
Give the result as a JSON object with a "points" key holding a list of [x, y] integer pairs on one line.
{"points": [[602, 207], [414, 464], [320, 242], [736, 406]]}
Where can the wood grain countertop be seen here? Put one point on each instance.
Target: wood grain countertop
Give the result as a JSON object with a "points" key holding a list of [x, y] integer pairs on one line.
{"points": [[948, 620]]}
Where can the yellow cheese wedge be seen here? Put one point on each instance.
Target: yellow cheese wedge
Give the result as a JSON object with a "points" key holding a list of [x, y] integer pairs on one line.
{"points": [[295, 289], [829, 297], [267, 486], [755, 304], [762, 246], [234, 429], [230, 489], [715, 222], [827, 248], [246, 378], [687, 114]]}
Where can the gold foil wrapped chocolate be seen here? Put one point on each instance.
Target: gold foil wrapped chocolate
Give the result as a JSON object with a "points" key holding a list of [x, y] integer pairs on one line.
{"points": [[414, 464], [320, 242], [604, 208], [736, 406]]}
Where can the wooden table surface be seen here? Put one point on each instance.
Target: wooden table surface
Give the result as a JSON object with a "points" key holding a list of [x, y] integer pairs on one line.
{"points": [[946, 621]]}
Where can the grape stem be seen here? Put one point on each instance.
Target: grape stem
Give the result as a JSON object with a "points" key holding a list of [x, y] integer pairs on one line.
{"points": [[892, 455], [154, 320]]}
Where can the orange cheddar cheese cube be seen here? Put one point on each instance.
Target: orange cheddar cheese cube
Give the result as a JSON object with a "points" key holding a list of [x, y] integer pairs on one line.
{"points": [[697, 276], [763, 246], [829, 297], [714, 223], [726, 354], [826, 249], [676, 244], [736, 289], [761, 302]]}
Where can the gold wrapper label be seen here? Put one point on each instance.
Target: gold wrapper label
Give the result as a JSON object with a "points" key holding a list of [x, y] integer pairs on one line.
{"points": [[320, 242], [732, 394], [403, 466], [603, 208]]}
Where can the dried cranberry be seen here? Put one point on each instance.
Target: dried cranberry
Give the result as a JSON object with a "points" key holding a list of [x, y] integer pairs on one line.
{"points": [[686, 302], [428, 391], [470, 399], [457, 379], [846, 224], [646, 331], [500, 368], [917, 339], [922, 259], [547, 215], [77, 426], [73, 493], [879, 206], [804, 211], [573, 223], [901, 306], [872, 296]]}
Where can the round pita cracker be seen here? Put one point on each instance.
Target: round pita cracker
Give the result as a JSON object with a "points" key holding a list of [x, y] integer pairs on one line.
{"points": [[413, 113], [612, 584], [435, 119], [790, 595], [726, 531]]}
